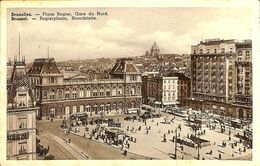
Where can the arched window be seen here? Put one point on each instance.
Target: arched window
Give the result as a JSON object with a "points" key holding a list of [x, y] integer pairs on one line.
{"points": [[101, 91], [74, 93], [67, 110], [88, 92], [120, 90], [132, 104], [138, 90], [108, 91], [67, 93], [133, 91], [81, 108], [44, 94], [59, 93], [114, 91], [52, 94], [81, 92], [94, 92], [74, 109], [127, 90]]}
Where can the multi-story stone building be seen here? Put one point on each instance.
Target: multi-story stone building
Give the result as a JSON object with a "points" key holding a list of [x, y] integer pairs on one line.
{"points": [[59, 97], [159, 90], [184, 88], [217, 75], [21, 110]]}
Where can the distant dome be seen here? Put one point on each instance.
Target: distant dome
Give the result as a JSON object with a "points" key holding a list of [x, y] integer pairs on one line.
{"points": [[155, 50], [155, 47]]}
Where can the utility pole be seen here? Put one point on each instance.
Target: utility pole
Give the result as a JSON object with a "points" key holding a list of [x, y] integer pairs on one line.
{"points": [[175, 155], [19, 48], [48, 52], [118, 132], [198, 150]]}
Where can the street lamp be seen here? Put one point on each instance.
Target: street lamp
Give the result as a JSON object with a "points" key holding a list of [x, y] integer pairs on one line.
{"points": [[175, 155], [199, 146], [118, 131], [175, 149]]}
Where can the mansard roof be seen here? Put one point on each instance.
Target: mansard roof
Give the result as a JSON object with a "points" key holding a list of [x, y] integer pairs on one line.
{"points": [[124, 66], [43, 66], [19, 80]]}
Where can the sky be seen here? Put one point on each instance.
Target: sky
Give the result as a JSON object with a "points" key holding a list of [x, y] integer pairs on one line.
{"points": [[125, 32]]}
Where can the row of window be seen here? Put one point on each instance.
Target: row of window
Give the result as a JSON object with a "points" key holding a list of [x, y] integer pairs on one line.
{"points": [[222, 50], [89, 92], [95, 107]]}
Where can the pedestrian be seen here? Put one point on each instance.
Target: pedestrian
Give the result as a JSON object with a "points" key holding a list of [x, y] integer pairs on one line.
{"points": [[128, 145], [219, 156], [239, 150], [229, 138], [69, 140]]}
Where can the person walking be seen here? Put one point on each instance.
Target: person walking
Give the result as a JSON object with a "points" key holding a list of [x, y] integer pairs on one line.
{"points": [[219, 156]]}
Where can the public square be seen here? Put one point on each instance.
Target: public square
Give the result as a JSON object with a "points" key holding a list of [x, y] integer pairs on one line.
{"points": [[147, 143]]}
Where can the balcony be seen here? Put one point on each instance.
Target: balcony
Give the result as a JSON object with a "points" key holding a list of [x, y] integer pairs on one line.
{"points": [[243, 99]]}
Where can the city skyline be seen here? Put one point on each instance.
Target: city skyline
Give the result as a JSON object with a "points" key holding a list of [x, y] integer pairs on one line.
{"points": [[97, 39]]}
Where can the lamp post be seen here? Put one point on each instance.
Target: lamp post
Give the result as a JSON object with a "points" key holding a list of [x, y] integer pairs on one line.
{"points": [[118, 131], [175, 155], [199, 145]]}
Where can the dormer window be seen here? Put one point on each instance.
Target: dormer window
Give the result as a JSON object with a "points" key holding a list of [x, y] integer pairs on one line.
{"points": [[22, 97], [22, 100]]}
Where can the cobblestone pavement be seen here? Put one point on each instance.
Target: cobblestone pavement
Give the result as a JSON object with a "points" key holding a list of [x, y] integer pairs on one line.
{"points": [[92, 148], [151, 144]]}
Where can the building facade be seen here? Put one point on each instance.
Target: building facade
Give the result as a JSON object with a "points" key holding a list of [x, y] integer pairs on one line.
{"points": [[21, 115], [184, 88], [159, 90], [216, 74], [59, 97]]}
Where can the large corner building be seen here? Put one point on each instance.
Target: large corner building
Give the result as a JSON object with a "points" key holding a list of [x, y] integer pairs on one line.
{"points": [[21, 114], [221, 77]]}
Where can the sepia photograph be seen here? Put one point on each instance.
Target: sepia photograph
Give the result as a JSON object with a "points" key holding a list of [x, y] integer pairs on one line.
{"points": [[129, 83]]}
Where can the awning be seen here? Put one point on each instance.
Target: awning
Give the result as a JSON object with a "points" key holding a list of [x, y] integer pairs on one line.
{"points": [[169, 103], [157, 102]]}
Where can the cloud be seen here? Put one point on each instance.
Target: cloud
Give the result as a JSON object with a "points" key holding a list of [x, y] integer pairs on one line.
{"points": [[114, 38]]}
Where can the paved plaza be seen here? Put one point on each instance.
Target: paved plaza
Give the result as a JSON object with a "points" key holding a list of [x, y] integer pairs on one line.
{"points": [[151, 144]]}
